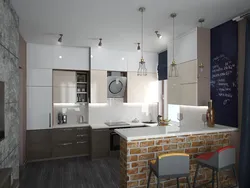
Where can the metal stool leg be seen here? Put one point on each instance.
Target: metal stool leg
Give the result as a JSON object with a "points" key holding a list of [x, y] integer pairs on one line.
{"points": [[213, 178], [217, 178], [158, 182], [234, 171], [178, 186], [196, 173], [149, 176], [188, 182]]}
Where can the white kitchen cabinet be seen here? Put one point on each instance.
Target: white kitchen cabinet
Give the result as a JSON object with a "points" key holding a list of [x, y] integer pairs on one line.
{"points": [[64, 95], [39, 77], [189, 94], [39, 108], [98, 86], [41, 56], [185, 48], [174, 91], [188, 72], [64, 78], [106, 59], [142, 89]]}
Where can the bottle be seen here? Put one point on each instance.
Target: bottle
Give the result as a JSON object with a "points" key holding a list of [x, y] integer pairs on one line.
{"points": [[210, 114]]}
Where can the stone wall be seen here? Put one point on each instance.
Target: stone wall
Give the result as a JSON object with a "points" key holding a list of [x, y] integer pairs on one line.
{"points": [[136, 155], [9, 74]]}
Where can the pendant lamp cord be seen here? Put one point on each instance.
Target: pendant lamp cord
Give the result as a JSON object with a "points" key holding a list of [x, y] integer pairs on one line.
{"points": [[173, 39], [142, 31]]}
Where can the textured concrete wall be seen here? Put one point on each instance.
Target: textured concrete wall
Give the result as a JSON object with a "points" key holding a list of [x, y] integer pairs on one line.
{"points": [[9, 74]]}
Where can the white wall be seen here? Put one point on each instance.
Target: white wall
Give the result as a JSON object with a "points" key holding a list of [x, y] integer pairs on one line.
{"points": [[192, 115]]}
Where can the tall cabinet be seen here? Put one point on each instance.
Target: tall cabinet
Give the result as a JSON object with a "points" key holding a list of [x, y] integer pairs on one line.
{"points": [[191, 87]]}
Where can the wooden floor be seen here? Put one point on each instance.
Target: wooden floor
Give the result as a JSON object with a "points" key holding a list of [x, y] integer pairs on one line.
{"points": [[71, 173]]}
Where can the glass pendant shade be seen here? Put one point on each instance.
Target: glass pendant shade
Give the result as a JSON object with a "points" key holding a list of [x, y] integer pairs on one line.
{"points": [[142, 70], [173, 71]]}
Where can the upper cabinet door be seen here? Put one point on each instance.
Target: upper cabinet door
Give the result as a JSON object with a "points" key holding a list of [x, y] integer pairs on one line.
{"points": [[185, 48], [57, 57], [40, 56], [98, 86], [71, 58], [142, 89], [111, 60], [64, 78], [39, 108], [39, 77]]}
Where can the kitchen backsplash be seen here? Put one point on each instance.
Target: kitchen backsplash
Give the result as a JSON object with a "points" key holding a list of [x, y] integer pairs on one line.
{"points": [[73, 112], [192, 115], [113, 110], [116, 110]]}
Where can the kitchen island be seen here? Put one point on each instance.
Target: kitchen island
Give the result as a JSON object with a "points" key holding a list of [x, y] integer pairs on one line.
{"points": [[138, 146]]}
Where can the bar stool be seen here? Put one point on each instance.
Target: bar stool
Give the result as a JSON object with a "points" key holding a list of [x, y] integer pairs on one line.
{"points": [[223, 158], [173, 165]]}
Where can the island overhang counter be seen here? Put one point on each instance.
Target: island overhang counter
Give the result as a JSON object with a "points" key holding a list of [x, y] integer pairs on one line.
{"points": [[139, 146]]}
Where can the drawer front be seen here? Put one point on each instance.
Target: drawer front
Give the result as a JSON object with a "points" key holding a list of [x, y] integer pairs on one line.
{"points": [[63, 149], [63, 135], [38, 151], [82, 148], [82, 130], [38, 136]]}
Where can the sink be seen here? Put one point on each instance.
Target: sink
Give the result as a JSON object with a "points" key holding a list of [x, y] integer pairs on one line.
{"points": [[149, 122]]}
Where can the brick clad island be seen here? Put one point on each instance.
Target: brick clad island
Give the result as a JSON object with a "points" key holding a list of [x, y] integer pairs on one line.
{"points": [[137, 151]]}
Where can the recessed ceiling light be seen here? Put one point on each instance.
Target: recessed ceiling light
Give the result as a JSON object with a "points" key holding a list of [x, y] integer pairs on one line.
{"points": [[60, 57], [91, 56], [123, 58]]}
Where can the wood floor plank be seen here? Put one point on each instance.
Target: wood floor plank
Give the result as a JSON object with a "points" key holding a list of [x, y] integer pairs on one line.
{"points": [[71, 173]]}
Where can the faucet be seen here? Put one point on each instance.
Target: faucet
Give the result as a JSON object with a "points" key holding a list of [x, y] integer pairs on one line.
{"points": [[159, 119], [151, 117]]}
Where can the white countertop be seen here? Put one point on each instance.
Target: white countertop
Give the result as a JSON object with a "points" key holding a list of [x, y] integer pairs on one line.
{"points": [[104, 126], [69, 125], [163, 131]]}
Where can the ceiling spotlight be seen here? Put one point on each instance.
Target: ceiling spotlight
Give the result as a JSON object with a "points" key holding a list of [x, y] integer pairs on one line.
{"points": [[60, 57], [138, 46], [60, 38], [158, 34], [100, 42]]}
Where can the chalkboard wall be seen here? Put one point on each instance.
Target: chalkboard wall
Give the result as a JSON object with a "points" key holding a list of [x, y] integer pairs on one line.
{"points": [[224, 73], [163, 66]]}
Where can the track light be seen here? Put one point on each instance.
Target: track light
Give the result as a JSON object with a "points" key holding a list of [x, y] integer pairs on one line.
{"points": [[100, 43], [138, 46], [60, 38], [158, 34]]}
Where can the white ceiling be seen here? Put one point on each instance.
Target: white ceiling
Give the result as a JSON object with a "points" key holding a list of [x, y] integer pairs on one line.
{"points": [[117, 21]]}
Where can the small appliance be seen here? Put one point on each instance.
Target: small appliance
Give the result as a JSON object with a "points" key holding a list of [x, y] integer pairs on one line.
{"points": [[64, 118], [59, 118]]}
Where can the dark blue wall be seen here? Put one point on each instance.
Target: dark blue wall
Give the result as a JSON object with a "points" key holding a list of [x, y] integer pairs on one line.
{"points": [[163, 66], [224, 73]]}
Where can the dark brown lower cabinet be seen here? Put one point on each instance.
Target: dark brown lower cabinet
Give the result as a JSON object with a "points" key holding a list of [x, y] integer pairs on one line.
{"points": [[57, 143], [100, 143]]}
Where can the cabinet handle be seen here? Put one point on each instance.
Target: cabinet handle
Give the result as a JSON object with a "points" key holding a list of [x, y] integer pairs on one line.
{"points": [[81, 142], [49, 119], [81, 135], [65, 144], [67, 129]]}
